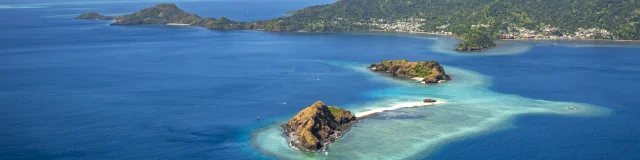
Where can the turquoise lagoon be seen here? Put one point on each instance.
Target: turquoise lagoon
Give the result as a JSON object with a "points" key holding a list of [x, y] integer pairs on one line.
{"points": [[471, 108]]}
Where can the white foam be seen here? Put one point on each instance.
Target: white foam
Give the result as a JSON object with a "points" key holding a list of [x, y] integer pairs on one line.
{"points": [[398, 105]]}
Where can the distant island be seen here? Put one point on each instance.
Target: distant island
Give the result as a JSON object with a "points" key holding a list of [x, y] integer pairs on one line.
{"points": [[169, 14], [477, 22], [475, 40], [475, 43], [423, 72]]}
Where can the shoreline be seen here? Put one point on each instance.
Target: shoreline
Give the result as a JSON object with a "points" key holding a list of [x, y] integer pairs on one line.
{"points": [[567, 39], [412, 32], [521, 39]]}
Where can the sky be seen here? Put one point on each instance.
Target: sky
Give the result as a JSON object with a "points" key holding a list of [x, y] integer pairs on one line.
{"points": [[10, 4]]}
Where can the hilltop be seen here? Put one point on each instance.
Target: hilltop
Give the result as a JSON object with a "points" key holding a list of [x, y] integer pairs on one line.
{"points": [[317, 125], [168, 13]]}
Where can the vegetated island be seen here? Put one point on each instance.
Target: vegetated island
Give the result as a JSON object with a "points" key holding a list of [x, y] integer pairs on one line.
{"points": [[170, 14], [316, 126], [423, 72], [475, 40], [479, 21]]}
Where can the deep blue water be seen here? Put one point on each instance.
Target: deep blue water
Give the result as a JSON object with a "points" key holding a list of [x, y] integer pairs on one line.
{"points": [[81, 89], [606, 77]]}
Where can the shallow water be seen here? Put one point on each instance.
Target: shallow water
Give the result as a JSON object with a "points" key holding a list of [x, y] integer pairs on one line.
{"points": [[81, 89], [470, 109]]}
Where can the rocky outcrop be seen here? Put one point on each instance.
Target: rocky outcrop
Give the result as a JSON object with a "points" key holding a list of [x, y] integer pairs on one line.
{"points": [[429, 100], [316, 126], [425, 72]]}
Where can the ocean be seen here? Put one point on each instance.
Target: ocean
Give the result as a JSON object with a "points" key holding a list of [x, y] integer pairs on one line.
{"points": [[82, 89]]}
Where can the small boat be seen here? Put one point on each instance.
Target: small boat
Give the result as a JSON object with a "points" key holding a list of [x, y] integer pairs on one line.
{"points": [[284, 102], [572, 108]]}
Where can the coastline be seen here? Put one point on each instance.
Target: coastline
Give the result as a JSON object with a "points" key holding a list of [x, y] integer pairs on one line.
{"points": [[568, 39], [443, 43], [91, 15], [503, 39], [411, 32]]}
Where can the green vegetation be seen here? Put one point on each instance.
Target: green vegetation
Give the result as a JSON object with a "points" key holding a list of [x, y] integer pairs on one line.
{"points": [[94, 15], [336, 112], [420, 71], [165, 13], [159, 14], [430, 71], [478, 22], [476, 39], [621, 17]]}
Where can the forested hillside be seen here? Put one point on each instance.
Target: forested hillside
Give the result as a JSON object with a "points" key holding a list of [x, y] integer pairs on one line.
{"points": [[478, 22], [606, 18]]}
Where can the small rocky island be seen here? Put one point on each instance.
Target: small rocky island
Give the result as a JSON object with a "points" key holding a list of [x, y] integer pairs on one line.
{"points": [[475, 42], [316, 126], [424, 72]]}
